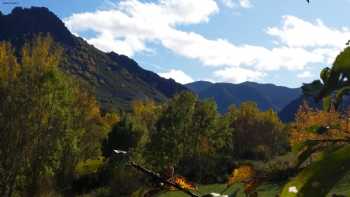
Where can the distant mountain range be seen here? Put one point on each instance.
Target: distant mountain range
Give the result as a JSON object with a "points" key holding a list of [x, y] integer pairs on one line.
{"points": [[116, 79], [265, 95], [287, 114]]}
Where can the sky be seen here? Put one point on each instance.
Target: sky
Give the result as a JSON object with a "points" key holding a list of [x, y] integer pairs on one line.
{"points": [[284, 42]]}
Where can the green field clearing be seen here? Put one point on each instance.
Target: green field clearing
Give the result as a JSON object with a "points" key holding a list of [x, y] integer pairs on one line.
{"points": [[266, 190]]}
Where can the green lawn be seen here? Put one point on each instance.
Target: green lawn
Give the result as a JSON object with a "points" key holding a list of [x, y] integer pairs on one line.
{"points": [[264, 190], [267, 190]]}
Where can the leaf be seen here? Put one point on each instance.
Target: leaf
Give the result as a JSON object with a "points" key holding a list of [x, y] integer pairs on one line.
{"points": [[325, 74], [340, 93], [320, 177], [327, 103], [303, 155], [322, 129], [314, 129], [242, 173], [251, 185], [300, 146], [312, 89], [183, 183]]}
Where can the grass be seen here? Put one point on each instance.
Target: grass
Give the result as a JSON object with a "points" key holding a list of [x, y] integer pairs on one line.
{"points": [[89, 166], [266, 190]]}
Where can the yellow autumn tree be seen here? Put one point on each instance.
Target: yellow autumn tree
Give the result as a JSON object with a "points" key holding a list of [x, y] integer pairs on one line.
{"points": [[48, 123]]}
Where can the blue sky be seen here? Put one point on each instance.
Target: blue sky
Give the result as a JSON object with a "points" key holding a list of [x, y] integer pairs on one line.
{"points": [[285, 42]]}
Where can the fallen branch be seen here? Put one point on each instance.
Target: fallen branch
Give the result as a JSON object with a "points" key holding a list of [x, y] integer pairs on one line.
{"points": [[161, 179]]}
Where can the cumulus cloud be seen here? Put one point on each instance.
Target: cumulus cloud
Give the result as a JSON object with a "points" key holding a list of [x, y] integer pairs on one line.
{"points": [[322, 41], [238, 75], [305, 75], [130, 25], [245, 3], [296, 32], [178, 75], [229, 3], [237, 3]]}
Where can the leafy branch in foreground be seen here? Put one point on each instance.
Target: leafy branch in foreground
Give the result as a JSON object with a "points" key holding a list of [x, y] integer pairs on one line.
{"points": [[182, 186], [322, 137]]}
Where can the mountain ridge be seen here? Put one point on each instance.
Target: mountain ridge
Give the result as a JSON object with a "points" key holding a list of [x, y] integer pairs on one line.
{"points": [[265, 95], [117, 80]]}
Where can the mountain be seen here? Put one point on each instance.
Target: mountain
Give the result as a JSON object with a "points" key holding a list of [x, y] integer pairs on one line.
{"points": [[287, 114], [116, 79], [265, 95]]}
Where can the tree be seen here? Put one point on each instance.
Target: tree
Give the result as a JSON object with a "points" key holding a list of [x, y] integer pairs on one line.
{"points": [[45, 120], [185, 135], [202, 142], [255, 134], [124, 136], [168, 138], [323, 133], [334, 82]]}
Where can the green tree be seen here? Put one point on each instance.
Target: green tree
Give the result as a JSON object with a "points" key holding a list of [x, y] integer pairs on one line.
{"points": [[168, 139], [145, 115], [124, 136], [44, 120], [255, 134], [202, 142], [187, 135]]}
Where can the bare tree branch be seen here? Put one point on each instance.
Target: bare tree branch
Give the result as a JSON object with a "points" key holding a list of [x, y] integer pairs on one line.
{"points": [[161, 179]]}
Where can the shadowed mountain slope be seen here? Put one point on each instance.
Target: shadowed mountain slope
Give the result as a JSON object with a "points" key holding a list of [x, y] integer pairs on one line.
{"points": [[265, 95], [116, 79]]}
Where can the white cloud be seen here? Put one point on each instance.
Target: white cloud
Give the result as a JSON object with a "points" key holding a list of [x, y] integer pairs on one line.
{"points": [[245, 3], [127, 46], [305, 75], [238, 75], [237, 3], [130, 25], [296, 32], [178, 75], [229, 3]]}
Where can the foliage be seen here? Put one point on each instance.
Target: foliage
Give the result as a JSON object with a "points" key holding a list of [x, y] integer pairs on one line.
{"points": [[319, 139], [124, 136], [241, 174], [169, 138], [89, 166], [183, 183], [256, 134], [186, 135], [124, 181], [314, 130], [48, 123], [320, 177], [55, 132], [334, 84]]}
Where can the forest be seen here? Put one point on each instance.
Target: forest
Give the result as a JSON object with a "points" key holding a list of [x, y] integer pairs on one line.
{"points": [[57, 141], [77, 121]]}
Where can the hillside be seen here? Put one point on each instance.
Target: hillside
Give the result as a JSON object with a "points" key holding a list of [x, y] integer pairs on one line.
{"points": [[287, 114], [265, 95], [116, 79]]}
